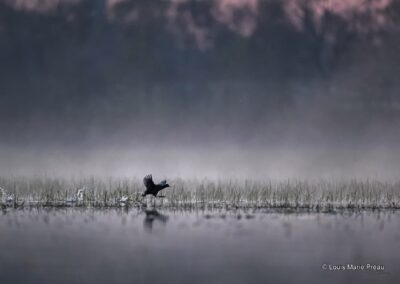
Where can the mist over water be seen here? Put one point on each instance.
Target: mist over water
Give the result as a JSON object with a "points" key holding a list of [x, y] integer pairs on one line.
{"points": [[211, 162], [262, 89]]}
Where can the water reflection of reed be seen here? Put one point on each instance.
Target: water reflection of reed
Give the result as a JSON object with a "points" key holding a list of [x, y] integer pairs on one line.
{"points": [[151, 216]]}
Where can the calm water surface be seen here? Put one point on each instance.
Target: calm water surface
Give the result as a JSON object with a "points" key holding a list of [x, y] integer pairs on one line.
{"points": [[138, 246]]}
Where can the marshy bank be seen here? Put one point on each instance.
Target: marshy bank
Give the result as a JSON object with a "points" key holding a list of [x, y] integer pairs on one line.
{"points": [[103, 192]]}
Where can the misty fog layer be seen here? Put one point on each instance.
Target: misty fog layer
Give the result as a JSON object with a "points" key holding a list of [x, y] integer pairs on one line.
{"points": [[200, 88]]}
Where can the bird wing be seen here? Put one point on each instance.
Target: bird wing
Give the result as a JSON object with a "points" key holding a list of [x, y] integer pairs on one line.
{"points": [[148, 181]]}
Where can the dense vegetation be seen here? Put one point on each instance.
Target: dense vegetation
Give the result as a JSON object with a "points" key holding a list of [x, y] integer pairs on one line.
{"points": [[113, 192]]}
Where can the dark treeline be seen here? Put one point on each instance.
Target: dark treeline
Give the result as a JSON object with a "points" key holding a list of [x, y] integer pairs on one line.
{"points": [[82, 70]]}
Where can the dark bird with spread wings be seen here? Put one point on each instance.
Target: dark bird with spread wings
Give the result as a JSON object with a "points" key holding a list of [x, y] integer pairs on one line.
{"points": [[151, 187]]}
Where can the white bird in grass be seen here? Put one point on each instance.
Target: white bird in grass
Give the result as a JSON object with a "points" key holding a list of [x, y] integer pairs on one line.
{"points": [[10, 198], [80, 195], [124, 199]]}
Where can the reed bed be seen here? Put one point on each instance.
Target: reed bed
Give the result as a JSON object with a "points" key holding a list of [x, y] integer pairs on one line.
{"points": [[108, 192]]}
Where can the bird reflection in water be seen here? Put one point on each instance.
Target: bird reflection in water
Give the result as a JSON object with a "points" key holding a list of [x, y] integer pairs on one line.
{"points": [[152, 215]]}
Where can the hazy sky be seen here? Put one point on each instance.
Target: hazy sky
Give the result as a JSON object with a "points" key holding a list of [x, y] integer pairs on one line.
{"points": [[218, 88]]}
